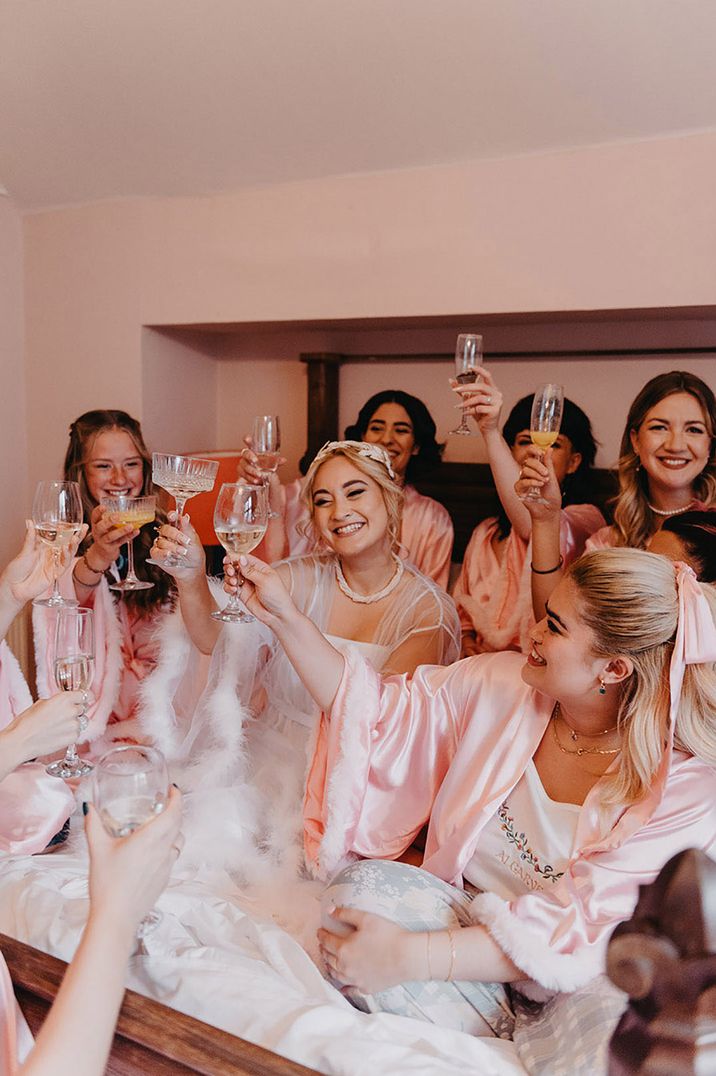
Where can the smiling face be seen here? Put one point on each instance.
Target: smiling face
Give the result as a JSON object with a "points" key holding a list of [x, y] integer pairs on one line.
{"points": [[673, 444], [392, 427], [349, 511], [113, 466], [565, 459]]}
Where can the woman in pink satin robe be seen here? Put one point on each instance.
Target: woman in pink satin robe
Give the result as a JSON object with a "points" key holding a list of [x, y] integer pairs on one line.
{"points": [[402, 424], [493, 591], [585, 714]]}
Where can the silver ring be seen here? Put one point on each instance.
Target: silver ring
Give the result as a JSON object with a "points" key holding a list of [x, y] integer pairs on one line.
{"points": [[488, 400]]}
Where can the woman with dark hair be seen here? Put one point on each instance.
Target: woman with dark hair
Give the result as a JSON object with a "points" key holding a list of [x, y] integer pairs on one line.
{"points": [[107, 456], [493, 592], [690, 537], [402, 424]]}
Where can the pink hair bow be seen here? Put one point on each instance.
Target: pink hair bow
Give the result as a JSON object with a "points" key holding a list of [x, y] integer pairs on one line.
{"points": [[695, 641]]}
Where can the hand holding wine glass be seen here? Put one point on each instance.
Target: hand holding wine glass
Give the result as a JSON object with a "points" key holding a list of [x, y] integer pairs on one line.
{"points": [[468, 362], [266, 442], [73, 661], [57, 514], [183, 546], [133, 512], [545, 422], [482, 400], [240, 521], [183, 477], [35, 567]]}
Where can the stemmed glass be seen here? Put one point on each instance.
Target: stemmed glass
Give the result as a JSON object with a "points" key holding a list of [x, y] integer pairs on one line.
{"points": [[134, 512], [240, 520], [57, 515], [545, 422], [131, 785], [74, 669], [266, 442], [468, 358], [183, 477]]}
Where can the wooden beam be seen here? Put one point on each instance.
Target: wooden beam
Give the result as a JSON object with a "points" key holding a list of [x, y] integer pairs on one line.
{"points": [[322, 399]]}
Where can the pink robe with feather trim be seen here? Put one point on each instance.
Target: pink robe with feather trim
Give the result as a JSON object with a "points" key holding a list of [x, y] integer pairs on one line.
{"points": [[494, 596], [426, 535], [448, 745]]}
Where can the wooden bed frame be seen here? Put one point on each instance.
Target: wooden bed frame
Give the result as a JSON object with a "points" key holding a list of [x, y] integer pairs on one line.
{"points": [[150, 1038]]}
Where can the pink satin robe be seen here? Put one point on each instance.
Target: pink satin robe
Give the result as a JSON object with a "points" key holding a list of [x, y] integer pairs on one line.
{"points": [[15, 1036], [494, 597], [448, 746], [33, 805], [426, 534]]}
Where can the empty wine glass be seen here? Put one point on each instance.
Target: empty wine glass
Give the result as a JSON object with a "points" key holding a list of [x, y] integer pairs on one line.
{"points": [[240, 519], [134, 512], [183, 477], [57, 515], [266, 442], [131, 785], [468, 358], [545, 422], [73, 660]]}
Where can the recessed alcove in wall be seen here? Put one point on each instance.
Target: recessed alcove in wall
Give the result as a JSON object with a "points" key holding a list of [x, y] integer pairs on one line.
{"points": [[203, 383]]}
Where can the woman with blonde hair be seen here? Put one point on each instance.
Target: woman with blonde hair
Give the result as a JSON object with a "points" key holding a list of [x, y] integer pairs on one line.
{"points": [[554, 786], [360, 593]]}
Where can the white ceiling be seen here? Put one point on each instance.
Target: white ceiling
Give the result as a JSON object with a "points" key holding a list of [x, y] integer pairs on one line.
{"points": [[108, 98]]}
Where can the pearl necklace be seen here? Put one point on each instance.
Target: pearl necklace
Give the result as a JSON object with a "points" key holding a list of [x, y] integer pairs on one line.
{"points": [[368, 599], [669, 511]]}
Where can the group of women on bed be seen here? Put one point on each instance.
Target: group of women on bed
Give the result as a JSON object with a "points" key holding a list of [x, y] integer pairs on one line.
{"points": [[556, 769]]}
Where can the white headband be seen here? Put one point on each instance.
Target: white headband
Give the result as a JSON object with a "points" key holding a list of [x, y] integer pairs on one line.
{"points": [[362, 448]]}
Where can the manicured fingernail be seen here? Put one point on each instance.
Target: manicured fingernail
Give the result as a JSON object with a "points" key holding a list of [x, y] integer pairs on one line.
{"points": [[85, 807], [243, 561], [176, 786], [184, 539]]}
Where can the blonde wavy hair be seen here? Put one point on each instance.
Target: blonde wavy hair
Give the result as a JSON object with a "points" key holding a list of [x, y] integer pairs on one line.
{"points": [[629, 601], [634, 521], [372, 468]]}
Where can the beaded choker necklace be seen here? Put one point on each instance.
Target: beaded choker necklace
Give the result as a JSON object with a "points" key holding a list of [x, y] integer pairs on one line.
{"points": [[669, 511], [368, 599]]}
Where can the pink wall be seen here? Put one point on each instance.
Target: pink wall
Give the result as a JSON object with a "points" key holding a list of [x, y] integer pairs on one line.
{"points": [[627, 225], [13, 436]]}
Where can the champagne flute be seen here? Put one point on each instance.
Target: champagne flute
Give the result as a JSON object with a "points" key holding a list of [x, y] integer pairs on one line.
{"points": [[135, 512], [57, 514], [182, 476], [131, 785], [266, 442], [468, 359], [545, 422], [240, 520], [74, 669]]}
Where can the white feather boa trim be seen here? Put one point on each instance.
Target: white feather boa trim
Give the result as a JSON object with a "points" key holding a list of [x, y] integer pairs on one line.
{"points": [[547, 972]]}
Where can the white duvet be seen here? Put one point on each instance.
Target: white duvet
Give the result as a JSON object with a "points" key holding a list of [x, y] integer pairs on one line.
{"points": [[216, 958]]}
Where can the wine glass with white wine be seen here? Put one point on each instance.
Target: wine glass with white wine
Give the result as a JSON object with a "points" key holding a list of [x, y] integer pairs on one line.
{"points": [[183, 477], [131, 512], [73, 659], [131, 785], [266, 442], [468, 359], [240, 521], [545, 422], [57, 515]]}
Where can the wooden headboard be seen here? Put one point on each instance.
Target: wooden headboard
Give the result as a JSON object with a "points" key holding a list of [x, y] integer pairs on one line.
{"points": [[150, 1038]]}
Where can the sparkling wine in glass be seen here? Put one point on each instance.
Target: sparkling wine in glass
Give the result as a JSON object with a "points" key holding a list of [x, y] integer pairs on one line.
{"points": [[134, 512], [131, 785], [266, 442], [57, 515], [74, 668], [183, 477], [240, 520], [468, 359], [545, 422]]}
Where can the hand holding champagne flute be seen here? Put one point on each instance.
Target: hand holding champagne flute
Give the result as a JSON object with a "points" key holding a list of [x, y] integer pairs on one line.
{"points": [[133, 512], [240, 520], [74, 669], [545, 422], [266, 442], [468, 359]]}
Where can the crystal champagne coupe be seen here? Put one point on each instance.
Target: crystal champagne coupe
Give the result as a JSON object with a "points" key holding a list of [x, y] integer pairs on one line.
{"points": [[468, 359], [545, 422], [131, 785], [134, 512], [74, 668], [183, 477], [266, 442], [57, 515], [240, 520]]}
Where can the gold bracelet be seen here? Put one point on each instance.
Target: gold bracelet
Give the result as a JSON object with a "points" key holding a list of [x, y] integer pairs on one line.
{"points": [[451, 969], [429, 937]]}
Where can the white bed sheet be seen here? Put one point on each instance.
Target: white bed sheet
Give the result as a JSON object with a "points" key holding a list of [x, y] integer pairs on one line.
{"points": [[214, 958]]}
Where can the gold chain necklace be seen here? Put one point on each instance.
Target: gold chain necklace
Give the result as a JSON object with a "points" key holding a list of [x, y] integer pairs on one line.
{"points": [[580, 750]]}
